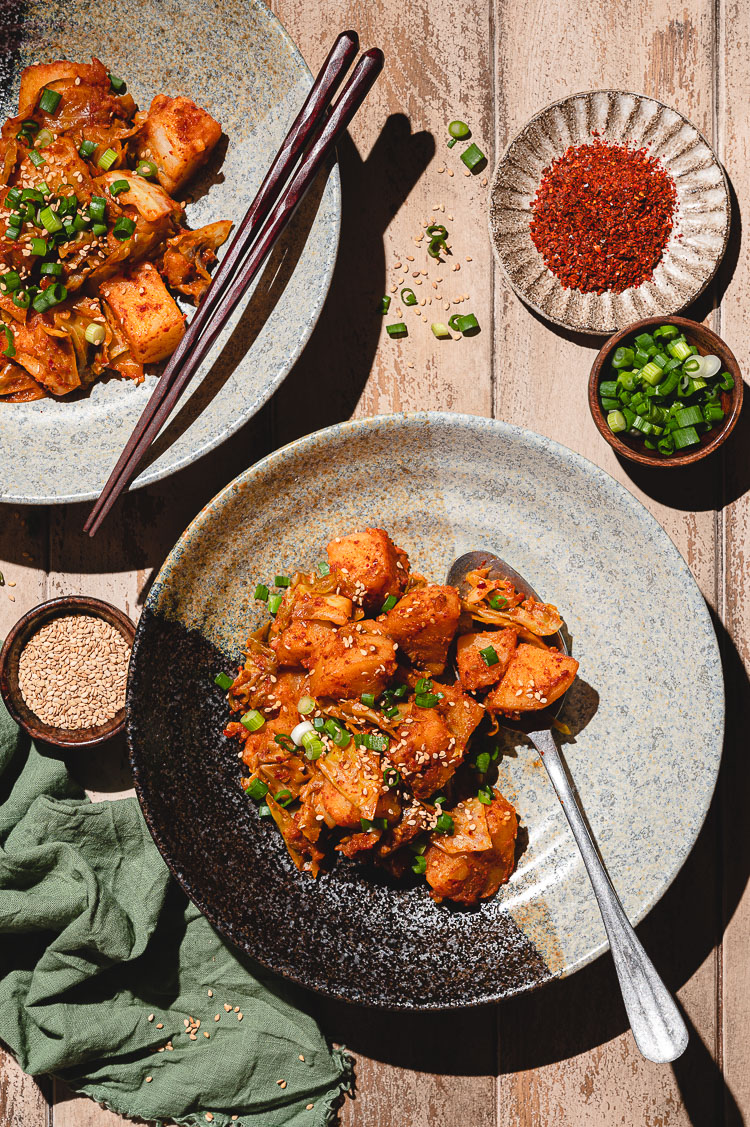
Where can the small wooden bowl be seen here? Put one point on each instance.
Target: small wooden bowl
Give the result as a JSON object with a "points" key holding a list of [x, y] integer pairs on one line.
{"points": [[707, 343], [24, 629]]}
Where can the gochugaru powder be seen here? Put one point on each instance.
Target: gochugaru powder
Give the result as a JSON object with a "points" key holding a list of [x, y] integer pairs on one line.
{"points": [[602, 216]]}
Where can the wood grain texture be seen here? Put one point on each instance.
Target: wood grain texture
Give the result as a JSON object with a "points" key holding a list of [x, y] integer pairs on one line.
{"points": [[563, 1055]]}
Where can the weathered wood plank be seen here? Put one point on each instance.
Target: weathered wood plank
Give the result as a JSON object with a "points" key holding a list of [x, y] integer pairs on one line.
{"points": [[23, 1101], [565, 1054], [421, 1071], [732, 47]]}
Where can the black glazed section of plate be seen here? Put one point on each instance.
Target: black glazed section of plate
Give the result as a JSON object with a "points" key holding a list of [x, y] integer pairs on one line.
{"points": [[352, 933]]}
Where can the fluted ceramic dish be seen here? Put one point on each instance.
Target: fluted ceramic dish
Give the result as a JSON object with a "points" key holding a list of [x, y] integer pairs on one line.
{"points": [[646, 712], [238, 62], [696, 244]]}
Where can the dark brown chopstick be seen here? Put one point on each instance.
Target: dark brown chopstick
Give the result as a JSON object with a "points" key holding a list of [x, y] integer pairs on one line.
{"points": [[302, 130]]}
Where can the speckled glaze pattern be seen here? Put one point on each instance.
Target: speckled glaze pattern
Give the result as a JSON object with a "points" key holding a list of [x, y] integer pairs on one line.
{"points": [[646, 717], [698, 240], [238, 62]]}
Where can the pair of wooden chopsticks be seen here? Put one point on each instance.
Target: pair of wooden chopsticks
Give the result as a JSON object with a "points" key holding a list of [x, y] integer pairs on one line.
{"points": [[266, 218]]}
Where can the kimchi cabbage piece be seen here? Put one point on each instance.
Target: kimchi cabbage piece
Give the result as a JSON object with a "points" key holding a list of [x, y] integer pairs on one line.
{"points": [[357, 704], [93, 238]]}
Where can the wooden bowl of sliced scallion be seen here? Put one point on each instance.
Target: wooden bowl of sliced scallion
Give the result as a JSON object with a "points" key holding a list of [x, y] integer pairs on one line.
{"points": [[665, 392]]}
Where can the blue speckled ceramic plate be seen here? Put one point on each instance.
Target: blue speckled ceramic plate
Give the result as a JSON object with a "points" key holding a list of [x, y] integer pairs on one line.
{"points": [[646, 713], [238, 62]]}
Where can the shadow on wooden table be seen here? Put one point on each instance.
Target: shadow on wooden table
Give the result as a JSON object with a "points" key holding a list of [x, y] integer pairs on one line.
{"points": [[569, 1017]]}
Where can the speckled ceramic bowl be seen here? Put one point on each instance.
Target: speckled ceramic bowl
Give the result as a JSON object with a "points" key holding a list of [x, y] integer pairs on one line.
{"points": [[237, 61], [646, 712], [700, 233]]}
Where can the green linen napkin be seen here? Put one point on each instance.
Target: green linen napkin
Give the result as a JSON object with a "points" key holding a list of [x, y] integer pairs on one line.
{"points": [[95, 937]]}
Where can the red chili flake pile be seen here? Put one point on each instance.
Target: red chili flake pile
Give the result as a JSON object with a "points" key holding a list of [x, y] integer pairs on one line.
{"points": [[602, 216]]}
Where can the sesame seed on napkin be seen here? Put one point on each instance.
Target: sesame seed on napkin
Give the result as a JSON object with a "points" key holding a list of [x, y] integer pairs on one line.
{"points": [[112, 978]]}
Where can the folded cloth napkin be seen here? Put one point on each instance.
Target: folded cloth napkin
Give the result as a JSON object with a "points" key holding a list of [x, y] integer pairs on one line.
{"points": [[108, 968]]}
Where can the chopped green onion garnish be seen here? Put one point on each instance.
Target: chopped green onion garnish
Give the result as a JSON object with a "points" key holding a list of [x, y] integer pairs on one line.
{"points": [[36, 158], [147, 169], [441, 331], [397, 330], [10, 346], [54, 268], [284, 797], [444, 824], [28, 128], [98, 209], [687, 436], [13, 197], [323, 568], [489, 655], [99, 229], [286, 742], [318, 723], [368, 699], [10, 281], [497, 602], [49, 100], [95, 334], [423, 685], [257, 790], [123, 228], [452, 142], [389, 604], [118, 84], [472, 157], [107, 159], [274, 602], [453, 322], [253, 720], [282, 581], [118, 186], [467, 324], [43, 139], [87, 149], [49, 220], [12, 233], [305, 705], [408, 296], [426, 700], [437, 229], [264, 811], [391, 777], [616, 422], [484, 794], [483, 762], [22, 298], [38, 247], [436, 247], [385, 304], [419, 866], [223, 680], [314, 750], [55, 293], [458, 129]]}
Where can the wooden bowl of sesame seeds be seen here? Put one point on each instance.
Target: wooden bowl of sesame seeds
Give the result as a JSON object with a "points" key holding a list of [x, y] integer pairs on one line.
{"points": [[64, 668]]}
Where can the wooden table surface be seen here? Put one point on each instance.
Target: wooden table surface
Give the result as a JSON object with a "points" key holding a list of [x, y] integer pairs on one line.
{"points": [[563, 1055]]}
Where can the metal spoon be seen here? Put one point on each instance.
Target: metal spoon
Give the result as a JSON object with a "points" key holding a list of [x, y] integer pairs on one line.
{"points": [[658, 1028]]}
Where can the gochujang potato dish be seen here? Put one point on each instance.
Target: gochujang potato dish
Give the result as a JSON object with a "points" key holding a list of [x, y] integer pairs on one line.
{"points": [[93, 240], [362, 706]]}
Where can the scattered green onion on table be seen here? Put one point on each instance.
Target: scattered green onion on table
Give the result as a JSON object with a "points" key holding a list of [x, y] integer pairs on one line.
{"points": [[661, 390]]}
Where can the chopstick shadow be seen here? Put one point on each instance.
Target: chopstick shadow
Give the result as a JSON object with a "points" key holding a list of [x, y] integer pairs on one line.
{"points": [[570, 1016], [323, 388]]}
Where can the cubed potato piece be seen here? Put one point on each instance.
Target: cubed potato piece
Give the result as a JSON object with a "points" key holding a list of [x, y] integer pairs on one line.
{"points": [[425, 752], [39, 75], [178, 137], [534, 679], [460, 712], [145, 312], [301, 642], [369, 567], [353, 662], [474, 873], [423, 623], [473, 670]]}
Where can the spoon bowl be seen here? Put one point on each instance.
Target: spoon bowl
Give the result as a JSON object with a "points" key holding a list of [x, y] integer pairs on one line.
{"points": [[658, 1028], [498, 569]]}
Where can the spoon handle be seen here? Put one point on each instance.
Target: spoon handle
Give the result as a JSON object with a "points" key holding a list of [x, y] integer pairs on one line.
{"points": [[658, 1028]]}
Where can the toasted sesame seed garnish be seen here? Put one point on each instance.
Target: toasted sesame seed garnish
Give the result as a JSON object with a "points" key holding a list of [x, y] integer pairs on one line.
{"points": [[160, 1025], [227, 1007], [210, 993], [150, 1017]]}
